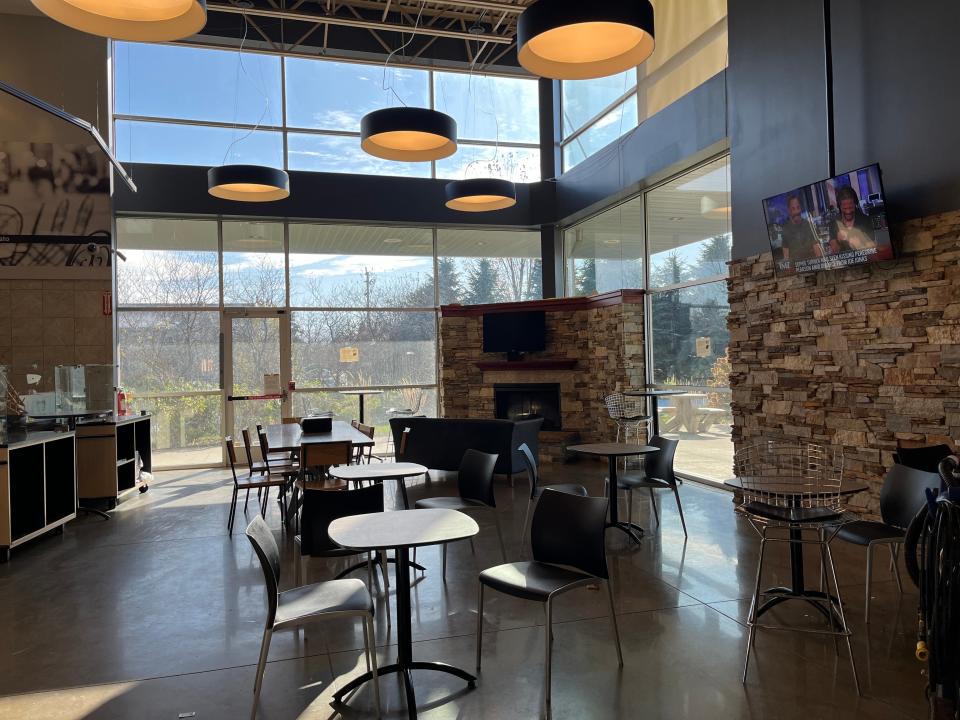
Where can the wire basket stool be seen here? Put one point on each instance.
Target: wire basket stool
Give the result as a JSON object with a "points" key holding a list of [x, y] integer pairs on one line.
{"points": [[791, 488]]}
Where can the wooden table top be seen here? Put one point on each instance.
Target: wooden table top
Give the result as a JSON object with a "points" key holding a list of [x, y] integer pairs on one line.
{"points": [[796, 487], [378, 471], [613, 449], [361, 392], [652, 393], [289, 437], [401, 529]]}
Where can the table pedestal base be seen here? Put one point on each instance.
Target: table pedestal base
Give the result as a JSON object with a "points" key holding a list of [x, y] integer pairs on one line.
{"points": [[377, 560], [405, 662], [633, 531]]}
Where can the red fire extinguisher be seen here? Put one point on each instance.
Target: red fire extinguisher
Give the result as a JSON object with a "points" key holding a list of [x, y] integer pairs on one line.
{"points": [[121, 402]]}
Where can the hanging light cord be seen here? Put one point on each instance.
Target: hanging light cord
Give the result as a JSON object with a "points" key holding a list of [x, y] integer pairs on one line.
{"points": [[494, 114], [236, 99], [403, 47]]}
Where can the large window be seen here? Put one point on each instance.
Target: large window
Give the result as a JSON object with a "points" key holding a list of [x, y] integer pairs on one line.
{"points": [[211, 312], [196, 106], [691, 48], [674, 240]]}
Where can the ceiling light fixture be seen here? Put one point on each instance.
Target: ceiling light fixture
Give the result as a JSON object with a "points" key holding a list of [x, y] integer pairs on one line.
{"points": [[408, 134], [248, 183], [480, 194], [576, 40], [138, 20]]}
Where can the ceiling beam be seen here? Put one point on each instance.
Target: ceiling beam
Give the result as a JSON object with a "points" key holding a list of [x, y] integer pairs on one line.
{"points": [[357, 22]]}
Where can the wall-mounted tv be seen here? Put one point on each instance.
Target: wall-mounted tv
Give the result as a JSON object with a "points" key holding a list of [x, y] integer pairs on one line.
{"points": [[834, 223], [515, 332]]}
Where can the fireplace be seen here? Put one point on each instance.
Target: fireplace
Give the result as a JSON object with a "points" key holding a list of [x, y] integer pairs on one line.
{"points": [[529, 400]]}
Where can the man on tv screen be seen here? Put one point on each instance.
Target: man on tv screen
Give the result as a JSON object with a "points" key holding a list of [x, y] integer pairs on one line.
{"points": [[851, 230], [800, 241]]}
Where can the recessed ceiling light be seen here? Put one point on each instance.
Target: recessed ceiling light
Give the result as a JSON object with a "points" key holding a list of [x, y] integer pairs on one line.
{"points": [[392, 241], [675, 218], [611, 242]]}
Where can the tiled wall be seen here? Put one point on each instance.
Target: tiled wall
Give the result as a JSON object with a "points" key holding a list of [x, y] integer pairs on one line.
{"points": [[865, 358], [45, 323]]}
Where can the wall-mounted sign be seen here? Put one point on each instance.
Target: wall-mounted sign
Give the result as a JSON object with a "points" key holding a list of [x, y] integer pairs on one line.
{"points": [[349, 354], [704, 347], [271, 384]]}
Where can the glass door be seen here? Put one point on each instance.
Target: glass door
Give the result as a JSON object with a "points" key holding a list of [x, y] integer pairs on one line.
{"points": [[256, 368]]}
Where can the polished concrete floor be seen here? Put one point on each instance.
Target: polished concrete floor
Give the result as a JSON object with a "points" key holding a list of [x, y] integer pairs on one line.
{"points": [[158, 613]]}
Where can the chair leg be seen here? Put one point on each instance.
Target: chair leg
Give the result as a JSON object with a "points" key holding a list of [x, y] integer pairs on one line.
{"points": [[894, 558], [261, 665], [752, 617], [264, 501], [653, 504], [233, 510], [372, 655], [613, 618], [843, 621], [866, 607], [384, 567], [443, 552], [548, 633], [683, 522], [479, 625], [503, 551], [629, 504], [246, 500]]}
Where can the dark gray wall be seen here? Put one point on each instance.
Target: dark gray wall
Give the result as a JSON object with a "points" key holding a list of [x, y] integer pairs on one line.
{"points": [[690, 129], [177, 189], [894, 103]]}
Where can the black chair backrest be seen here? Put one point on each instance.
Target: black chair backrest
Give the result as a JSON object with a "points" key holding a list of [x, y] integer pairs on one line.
{"points": [[533, 475], [261, 537], [322, 507], [659, 465], [922, 458], [232, 455], [264, 446], [248, 448], [902, 494], [475, 477], [569, 530]]}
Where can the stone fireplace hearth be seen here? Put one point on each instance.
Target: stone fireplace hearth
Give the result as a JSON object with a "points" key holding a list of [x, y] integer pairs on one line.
{"points": [[592, 344]]}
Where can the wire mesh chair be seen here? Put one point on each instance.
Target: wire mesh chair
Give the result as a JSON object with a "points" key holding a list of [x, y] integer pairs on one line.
{"points": [[627, 413], [792, 494]]}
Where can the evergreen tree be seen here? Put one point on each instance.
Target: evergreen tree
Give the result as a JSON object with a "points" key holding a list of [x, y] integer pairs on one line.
{"points": [[449, 280], [585, 277], [669, 271], [482, 283], [714, 254]]}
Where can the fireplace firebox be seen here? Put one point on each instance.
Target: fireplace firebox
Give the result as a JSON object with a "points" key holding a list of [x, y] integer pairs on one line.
{"points": [[512, 402]]}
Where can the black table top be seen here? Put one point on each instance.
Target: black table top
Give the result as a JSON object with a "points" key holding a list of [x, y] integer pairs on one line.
{"points": [[288, 437], [401, 529], [613, 449]]}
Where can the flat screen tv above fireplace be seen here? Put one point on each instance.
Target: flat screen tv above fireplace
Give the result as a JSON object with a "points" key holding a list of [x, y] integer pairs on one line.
{"points": [[514, 333]]}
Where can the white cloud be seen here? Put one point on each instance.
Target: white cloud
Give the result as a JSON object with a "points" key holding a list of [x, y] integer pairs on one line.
{"points": [[341, 265]]}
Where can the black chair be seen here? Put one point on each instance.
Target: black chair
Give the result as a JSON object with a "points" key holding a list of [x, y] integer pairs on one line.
{"points": [[922, 458], [322, 507], [475, 487], [568, 553], [901, 497], [319, 601], [533, 477], [656, 474]]}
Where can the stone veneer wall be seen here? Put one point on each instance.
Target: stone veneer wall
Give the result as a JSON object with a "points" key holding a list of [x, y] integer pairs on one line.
{"points": [[865, 357], [603, 334]]}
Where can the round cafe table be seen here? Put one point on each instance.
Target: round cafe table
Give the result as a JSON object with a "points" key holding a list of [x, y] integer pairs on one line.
{"points": [[613, 452], [399, 471], [402, 531]]}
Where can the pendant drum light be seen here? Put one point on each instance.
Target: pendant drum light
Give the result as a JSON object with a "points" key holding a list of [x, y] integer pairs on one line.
{"points": [[248, 183], [480, 195], [138, 20], [577, 40], [408, 134]]}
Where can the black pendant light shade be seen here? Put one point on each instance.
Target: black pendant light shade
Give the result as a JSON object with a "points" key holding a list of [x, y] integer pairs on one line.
{"points": [[578, 39], [248, 183], [139, 20], [408, 134], [480, 195]]}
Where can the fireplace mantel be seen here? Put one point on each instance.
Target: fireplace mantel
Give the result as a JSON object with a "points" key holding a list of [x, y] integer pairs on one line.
{"points": [[527, 365]]}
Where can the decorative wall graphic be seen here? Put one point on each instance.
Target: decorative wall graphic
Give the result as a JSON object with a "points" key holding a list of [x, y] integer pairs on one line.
{"points": [[55, 217]]}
